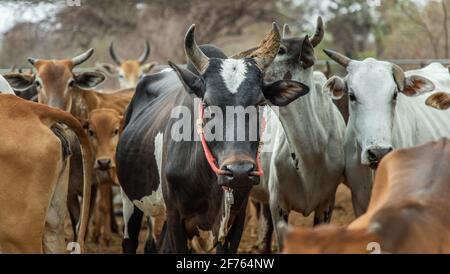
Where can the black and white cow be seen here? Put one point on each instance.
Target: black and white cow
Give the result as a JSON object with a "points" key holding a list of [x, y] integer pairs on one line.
{"points": [[197, 190]]}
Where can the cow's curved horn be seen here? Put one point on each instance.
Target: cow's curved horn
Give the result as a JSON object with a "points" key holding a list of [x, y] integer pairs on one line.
{"points": [[82, 57], [339, 58], [286, 31], [266, 51], [113, 55], [193, 52], [399, 76], [268, 48], [318, 36], [145, 54]]}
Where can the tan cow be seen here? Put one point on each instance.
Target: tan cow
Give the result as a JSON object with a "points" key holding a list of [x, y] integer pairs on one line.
{"points": [[34, 164], [129, 72], [104, 126], [58, 86], [408, 210]]}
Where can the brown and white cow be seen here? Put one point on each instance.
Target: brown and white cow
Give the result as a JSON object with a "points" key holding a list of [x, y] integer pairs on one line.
{"points": [[58, 86], [34, 161], [104, 126], [130, 71], [408, 210]]}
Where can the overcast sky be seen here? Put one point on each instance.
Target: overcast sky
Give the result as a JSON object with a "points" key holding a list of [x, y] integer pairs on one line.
{"points": [[10, 13]]}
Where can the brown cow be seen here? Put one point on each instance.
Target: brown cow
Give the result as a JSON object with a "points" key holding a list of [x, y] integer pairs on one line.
{"points": [[103, 127], [58, 86], [408, 210], [34, 161], [129, 72]]}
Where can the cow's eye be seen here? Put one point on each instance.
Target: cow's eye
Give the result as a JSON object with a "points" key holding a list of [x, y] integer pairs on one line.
{"points": [[394, 98], [91, 133], [71, 83], [352, 97], [281, 51], [116, 131], [37, 83]]}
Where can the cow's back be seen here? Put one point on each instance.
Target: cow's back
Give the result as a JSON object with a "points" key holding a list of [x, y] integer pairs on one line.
{"points": [[416, 123], [30, 161], [410, 200], [146, 116]]}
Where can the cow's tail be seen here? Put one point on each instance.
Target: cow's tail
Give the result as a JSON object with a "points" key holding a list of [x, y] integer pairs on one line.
{"points": [[50, 116]]}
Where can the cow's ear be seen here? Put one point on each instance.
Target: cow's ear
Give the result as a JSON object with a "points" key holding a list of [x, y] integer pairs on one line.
{"points": [[307, 54], [121, 124], [148, 67], [281, 93], [109, 69], [192, 83], [18, 81], [335, 87], [439, 100], [416, 85], [89, 80]]}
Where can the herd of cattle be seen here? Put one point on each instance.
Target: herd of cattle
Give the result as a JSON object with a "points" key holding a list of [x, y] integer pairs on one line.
{"points": [[65, 144]]}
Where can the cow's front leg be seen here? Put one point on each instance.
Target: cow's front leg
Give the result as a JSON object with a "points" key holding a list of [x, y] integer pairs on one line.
{"points": [[105, 217], [279, 215], [324, 212], [175, 237], [233, 238], [132, 218], [266, 225], [150, 243], [114, 225]]}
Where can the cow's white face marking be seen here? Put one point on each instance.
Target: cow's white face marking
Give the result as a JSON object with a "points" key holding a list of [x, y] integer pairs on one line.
{"points": [[233, 74], [372, 94]]}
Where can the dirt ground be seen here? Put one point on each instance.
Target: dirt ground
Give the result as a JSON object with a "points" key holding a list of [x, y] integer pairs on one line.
{"points": [[342, 215]]}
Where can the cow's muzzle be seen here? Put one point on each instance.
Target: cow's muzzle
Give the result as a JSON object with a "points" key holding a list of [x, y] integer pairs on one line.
{"points": [[374, 155], [103, 164], [238, 175]]}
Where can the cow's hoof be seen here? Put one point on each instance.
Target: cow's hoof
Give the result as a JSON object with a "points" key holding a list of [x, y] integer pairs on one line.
{"points": [[150, 247]]}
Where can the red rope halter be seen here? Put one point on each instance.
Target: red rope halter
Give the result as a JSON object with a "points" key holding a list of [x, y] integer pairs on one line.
{"points": [[210, 157]]}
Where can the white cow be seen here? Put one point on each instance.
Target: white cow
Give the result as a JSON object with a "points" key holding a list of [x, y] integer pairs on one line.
{"points": [[387, 111], [304, 162], [4, 86]]}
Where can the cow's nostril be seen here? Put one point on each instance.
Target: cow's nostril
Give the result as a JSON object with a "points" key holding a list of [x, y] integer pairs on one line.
{"points": [[372, 156], [236, 170], [104, 164], [376, 154]]}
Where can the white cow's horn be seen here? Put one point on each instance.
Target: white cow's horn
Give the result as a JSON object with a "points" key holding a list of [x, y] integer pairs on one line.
{"points": [[337, 57]]}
